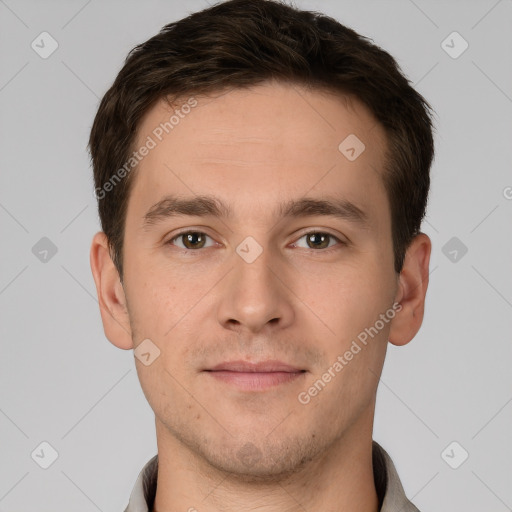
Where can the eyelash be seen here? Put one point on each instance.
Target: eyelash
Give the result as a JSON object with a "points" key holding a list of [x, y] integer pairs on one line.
{"points": [[316, 232]]}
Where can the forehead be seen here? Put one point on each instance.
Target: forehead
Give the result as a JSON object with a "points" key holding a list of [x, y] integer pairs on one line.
{"points": [[255, 146]]}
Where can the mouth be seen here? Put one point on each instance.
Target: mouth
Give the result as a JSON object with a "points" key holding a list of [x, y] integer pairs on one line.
{"points": [[248, 376]]}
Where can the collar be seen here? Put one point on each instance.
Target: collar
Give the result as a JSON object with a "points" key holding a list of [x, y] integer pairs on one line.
{"points": [[390, 492]]}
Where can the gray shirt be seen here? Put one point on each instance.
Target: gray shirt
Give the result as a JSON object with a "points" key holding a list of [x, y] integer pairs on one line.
{"points": [[390, 492]]}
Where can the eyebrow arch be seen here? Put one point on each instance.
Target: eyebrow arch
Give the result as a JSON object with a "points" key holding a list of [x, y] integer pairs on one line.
{"points": [[205, 205]]}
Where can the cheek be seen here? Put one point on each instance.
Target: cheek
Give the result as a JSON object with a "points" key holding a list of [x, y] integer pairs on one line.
{"points": [[345, 298], [155, 302], [162, 381]]}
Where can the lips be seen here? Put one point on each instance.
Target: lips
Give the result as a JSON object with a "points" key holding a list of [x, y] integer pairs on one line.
{"points": [[262, 367], [255, 377]]}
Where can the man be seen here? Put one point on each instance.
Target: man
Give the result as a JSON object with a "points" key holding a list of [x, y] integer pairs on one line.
{"points": [[262, 173]]}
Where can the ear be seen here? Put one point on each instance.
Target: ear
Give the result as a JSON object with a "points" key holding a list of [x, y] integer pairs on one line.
{"points": [[111, 297], [412, 288]]}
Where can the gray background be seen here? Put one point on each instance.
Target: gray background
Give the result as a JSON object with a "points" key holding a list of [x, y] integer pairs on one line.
{"points": [[62, 382]]}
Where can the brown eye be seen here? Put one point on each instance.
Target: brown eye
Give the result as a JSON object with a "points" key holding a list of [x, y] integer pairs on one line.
{"points": [[320, 240], [190, 240]]}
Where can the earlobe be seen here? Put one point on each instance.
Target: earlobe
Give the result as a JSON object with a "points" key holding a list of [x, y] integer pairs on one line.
{"points": [[111, 296], [412, 289]]}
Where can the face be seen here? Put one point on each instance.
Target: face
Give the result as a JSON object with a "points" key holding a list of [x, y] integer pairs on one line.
{"points": [[261, 280]]}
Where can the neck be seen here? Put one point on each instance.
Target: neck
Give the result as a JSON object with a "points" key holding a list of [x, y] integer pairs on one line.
{"points": [[339, 478]]}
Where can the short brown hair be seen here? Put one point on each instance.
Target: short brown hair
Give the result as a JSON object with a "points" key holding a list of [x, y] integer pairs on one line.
{"points": [[241, 43]]}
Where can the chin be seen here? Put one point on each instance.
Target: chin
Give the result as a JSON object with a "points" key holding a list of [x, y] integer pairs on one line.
{"points": [[264, 462]]}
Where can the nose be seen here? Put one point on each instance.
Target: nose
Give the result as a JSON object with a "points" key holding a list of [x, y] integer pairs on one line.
{"points": [[255, 295]]}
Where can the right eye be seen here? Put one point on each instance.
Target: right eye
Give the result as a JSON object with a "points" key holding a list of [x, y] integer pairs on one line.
{"points": [[191, 240]]}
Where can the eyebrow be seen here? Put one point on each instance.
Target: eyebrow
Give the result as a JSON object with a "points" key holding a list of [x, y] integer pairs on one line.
{"points": [[205, 205]]}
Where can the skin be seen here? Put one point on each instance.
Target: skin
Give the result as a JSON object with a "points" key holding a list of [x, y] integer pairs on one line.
{"points": [[222, 448]]}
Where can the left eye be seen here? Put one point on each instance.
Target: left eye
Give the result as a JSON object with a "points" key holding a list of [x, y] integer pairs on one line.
{"points": [[318, 239], [197, 239]]}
